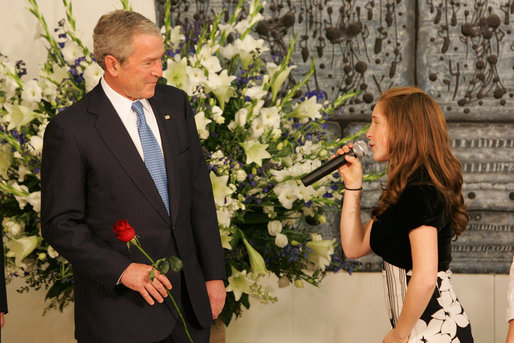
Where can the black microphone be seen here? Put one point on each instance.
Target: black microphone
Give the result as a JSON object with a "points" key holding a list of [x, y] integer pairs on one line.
{"points": [[360, 149]]}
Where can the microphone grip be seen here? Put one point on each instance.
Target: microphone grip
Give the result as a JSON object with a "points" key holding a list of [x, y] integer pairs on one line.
{"points": [[325, 169]]}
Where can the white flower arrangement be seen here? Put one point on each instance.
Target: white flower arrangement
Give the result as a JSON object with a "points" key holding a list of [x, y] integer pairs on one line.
{"points": [[259, 141]]}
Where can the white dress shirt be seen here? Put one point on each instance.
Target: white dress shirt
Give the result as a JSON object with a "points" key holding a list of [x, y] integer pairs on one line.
{"points": [[123, 107]]}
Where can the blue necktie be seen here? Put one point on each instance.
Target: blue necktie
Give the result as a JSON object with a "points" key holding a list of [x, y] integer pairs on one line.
{"points": [[154, 160]]}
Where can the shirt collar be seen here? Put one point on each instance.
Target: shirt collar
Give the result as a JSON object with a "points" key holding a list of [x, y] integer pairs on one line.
{"points": [[121, 103]]}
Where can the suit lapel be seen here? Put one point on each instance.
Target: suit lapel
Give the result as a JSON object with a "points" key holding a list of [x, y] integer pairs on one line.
{"points": [[167, 128], [113, 132]]}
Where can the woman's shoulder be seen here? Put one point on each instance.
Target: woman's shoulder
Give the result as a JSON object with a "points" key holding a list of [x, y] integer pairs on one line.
{"points": [[421, 195]]}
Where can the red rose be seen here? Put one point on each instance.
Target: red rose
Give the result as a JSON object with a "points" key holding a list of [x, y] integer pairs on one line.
{"points": [[123, 231]]}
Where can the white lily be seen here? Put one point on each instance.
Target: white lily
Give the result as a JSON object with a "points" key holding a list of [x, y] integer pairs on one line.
{"points": [[201, 124], [255, 152], [219, 188], [220, 85], [18, 116], [22, 247], [239, 283]]}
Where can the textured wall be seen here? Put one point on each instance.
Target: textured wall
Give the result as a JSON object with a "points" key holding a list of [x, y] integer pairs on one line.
{"points": [[460, 52]]}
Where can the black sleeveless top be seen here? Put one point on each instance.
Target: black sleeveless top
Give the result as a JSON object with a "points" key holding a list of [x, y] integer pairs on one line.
{"points": [[418, 205]]}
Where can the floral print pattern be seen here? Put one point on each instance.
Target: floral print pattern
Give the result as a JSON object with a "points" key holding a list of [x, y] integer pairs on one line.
{"points": [[444, 319]]}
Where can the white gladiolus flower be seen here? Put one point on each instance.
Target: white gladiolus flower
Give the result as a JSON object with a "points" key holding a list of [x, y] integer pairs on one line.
{"points": [[12, 227], [36, 143], [287, 193], [217, 115], [18, 116], [59, 73], [227, 28], [255, 152], [31, 93], [35, 200], [6, 159], [270, 117], [295, 169], [309, 109], [176, 36], [249, 48], [306, 193], [10, 87], [257, 128], [23, 170], [49, 90], [212, 64], [274, 227], [224, 216], [228, 51], [244, 24], [71, 52], [277, 77], [201, 125], [241, 116], [281, 240], [92, 75], [255, 92]]}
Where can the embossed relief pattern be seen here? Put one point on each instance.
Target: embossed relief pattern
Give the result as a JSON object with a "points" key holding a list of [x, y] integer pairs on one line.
{"points": [[466, 57], [463, 57]]}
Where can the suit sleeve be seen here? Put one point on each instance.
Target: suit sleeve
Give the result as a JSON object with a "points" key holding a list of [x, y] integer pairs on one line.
{"points": [[203, 212], [64, 197]]}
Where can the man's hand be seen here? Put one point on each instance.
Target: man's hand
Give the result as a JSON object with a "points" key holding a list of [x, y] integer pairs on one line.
{"points": [[137, 278], [2, 321], [216, 291]]}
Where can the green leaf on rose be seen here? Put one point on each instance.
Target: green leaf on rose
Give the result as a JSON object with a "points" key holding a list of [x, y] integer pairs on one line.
{"points": [[175, 264], [152, 274], [162, 265]]}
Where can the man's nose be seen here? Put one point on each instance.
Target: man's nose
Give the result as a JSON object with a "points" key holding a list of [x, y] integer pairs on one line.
{"points": [[157, 69]]}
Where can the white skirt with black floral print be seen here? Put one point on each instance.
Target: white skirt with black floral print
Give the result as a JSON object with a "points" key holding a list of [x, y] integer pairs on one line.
{"points": [[444, 319]]}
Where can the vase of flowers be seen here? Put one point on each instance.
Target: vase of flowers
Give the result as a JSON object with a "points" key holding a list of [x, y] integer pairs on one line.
{"points": [[260, 132]]}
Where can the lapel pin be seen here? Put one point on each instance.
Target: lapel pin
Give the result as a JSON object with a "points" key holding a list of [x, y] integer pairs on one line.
{"points": [[167, 116]]}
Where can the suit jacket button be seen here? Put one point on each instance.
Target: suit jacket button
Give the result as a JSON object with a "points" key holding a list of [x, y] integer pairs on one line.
{"points": [[173, 227]]}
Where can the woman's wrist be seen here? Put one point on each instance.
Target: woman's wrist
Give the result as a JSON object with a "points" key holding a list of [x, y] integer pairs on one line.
{"points": [[353, 189], [400, 337]]}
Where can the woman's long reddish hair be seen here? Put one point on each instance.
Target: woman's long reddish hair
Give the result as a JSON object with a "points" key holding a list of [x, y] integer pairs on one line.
{"points": [[420, 152]]}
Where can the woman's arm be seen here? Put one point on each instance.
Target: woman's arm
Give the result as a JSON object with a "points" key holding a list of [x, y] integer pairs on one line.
{"points": [[423, 242], [354, 236]]}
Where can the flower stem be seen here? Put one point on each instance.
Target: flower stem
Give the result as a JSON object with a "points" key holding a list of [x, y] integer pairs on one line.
{"points": [[134, 241]]}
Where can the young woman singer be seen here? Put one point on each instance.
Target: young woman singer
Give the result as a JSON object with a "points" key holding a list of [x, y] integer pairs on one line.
{"points": [[418, 213]]}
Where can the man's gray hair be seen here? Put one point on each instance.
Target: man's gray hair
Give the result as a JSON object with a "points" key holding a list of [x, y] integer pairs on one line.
{"points": [[114, 33]]}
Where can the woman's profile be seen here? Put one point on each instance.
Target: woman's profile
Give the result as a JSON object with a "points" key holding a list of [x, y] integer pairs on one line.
{"points": [[419, 212]]}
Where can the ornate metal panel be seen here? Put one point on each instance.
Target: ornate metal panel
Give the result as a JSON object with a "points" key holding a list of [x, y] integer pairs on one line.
{"points": [[466, 57], [460, 52]]}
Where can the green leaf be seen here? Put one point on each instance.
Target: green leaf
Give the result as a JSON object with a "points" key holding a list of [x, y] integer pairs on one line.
{"points": [[176, 264], [152, 274], [162, 265]]}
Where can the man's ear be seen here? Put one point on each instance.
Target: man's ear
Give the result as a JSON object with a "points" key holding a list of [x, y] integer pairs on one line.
{"points": [[112, 65]]}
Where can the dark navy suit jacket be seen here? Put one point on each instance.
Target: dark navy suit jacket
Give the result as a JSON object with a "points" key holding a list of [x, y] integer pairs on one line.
{"points": [[92, 175]]}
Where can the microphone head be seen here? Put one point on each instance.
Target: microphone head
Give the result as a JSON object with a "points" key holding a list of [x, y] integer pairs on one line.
{"points": [[361, 148]]}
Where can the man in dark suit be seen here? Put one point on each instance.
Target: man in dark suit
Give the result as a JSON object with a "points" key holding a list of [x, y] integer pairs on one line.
{"points": [[99, 165]]}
